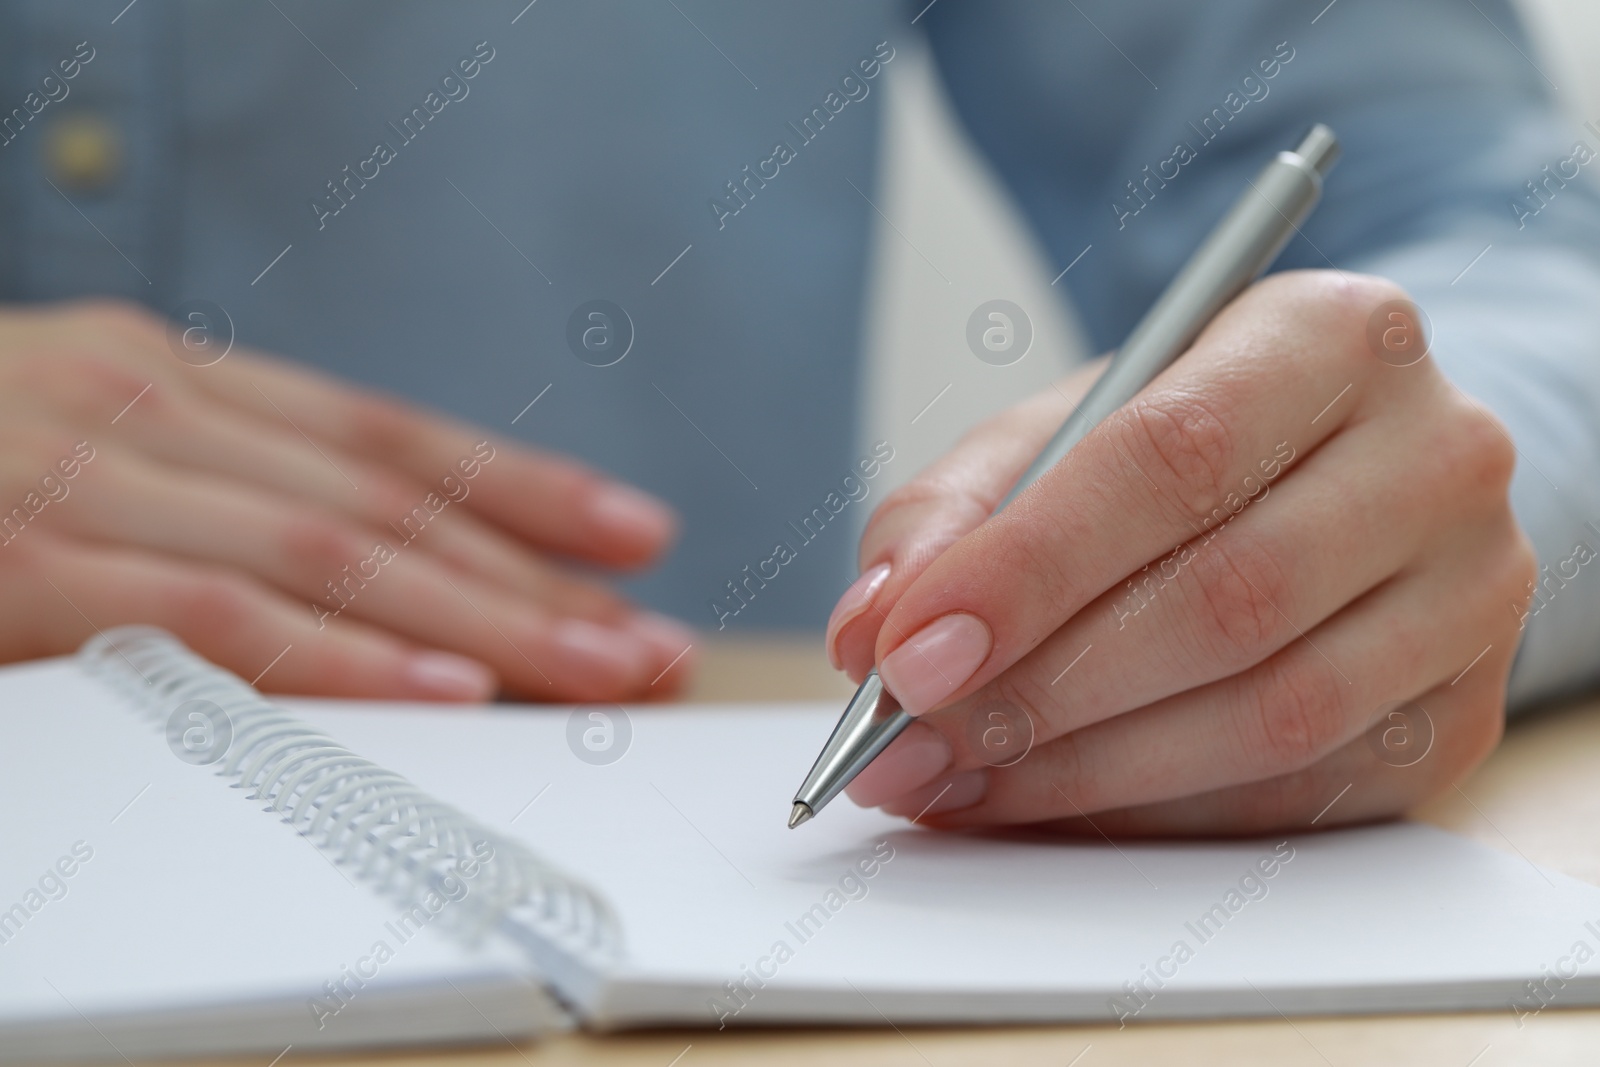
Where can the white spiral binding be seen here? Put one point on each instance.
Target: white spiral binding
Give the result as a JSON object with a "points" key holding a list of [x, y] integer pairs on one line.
{"points": [[392, 834]]}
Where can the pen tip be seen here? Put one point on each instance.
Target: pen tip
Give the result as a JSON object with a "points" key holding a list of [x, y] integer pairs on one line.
{"points": [[800, 814]]}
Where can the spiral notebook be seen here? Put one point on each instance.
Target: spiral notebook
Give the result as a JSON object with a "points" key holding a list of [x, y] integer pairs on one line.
{"points": [[190, 869]]}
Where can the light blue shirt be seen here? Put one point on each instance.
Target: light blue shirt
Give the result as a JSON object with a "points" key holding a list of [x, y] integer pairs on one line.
{"points": [[420, 197]]}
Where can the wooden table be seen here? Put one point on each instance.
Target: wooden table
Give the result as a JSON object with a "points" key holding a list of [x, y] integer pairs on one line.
{"points": [[1538, 797]]}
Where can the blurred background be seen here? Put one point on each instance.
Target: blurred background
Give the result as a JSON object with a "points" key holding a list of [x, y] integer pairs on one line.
{"points": [[950, 217]]}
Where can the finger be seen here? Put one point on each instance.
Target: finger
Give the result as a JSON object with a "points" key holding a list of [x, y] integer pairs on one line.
{"points": [[70, 591], [1449, 731], [1343, 521], [1159, 471], [555, 503], [242, 446], [915, 524], [343, 570], [1281, 716]]}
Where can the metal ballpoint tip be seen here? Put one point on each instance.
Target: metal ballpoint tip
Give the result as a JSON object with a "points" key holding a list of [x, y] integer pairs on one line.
{"points": [[868, 724]]}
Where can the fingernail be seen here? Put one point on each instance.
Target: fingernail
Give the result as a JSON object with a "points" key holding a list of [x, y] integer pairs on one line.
{"points": [[936, 662], [952, 794], [592, 649], [667, 637], [915, 758], [623, 510], [446, 676], [856, 600]]}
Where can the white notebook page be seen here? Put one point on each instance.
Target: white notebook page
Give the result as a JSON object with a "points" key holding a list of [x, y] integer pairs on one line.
{"points": [[685, 836]]}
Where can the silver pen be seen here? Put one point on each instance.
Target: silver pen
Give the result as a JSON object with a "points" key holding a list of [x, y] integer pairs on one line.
{"points": [[1241, 247]]}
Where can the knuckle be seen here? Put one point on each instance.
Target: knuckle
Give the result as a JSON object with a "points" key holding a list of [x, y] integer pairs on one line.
{"points": [[1522, 561], [1471, 729], [393, 496], [1510, 575], [1242, 592], [1484, 455], [927, 494], [1052, 739], [318, 547], [1349, 297], [587, 601], [1482, 725], [1354, 296], [918, 491], [918, 520], [382, 426], [1083, 792], [1186, 446], [80, 384], [1294, 713], [1022, 690], [220, 602], [1340, 305]]}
